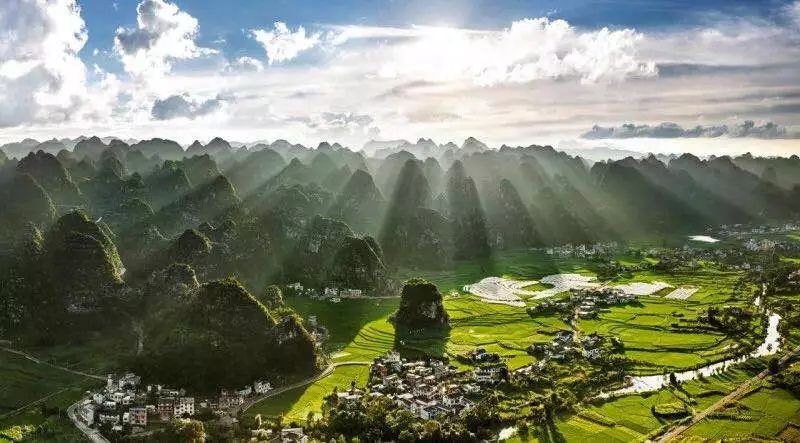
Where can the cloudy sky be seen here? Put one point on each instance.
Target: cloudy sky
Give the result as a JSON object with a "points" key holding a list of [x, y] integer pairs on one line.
{"points": [[663, 76]]}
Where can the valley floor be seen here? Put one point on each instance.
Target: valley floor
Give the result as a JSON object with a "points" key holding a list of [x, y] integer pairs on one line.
{"points": [[650, 330]]}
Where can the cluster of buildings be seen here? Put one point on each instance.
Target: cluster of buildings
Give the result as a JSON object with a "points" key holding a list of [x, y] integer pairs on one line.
{"points": [[584, 251], [334, 295], [561, 348], [585, 303], [426, 388], [125, 404], [564, 347], [761, 245], [739, 230]]}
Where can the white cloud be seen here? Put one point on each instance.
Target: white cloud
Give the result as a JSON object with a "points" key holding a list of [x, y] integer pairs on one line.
{"points": [[281, 44], [530, 49], [164, 33], [42, 79]]}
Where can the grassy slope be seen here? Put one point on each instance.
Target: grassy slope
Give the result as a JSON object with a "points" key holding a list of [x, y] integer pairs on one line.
{"points": [[23, 381]]}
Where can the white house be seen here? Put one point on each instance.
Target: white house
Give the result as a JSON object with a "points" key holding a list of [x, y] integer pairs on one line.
{"points": [[138, 416], [244, 392], [87, 412], [293, 435], [261, 387]]}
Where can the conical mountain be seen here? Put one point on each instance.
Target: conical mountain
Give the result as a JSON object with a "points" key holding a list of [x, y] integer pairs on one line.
{"points": [[468, 223], [23, 201], [200, 169], [53, 177], [510, 223], [360, 203], [434, 174], [412, 234], [165, 149], [204, 203], [90, 147], [220, 336], [82, 262]]}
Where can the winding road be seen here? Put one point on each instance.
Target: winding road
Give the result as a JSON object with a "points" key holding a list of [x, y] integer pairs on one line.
{"points": [[92, 434]]}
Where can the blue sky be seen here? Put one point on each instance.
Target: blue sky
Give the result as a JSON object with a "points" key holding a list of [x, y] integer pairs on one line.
{"points": [[228, 20], [666, 76]]}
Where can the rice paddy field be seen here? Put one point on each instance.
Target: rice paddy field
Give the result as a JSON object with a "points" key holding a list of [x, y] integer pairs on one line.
{"points": [[767, 413], [631, 418], [360, 330]]}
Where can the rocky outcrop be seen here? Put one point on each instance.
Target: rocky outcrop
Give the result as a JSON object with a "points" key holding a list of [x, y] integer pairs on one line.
{"points": [[421, 306]]}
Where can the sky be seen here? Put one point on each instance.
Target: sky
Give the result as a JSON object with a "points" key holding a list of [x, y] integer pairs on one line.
{"points": [[708, 77]]}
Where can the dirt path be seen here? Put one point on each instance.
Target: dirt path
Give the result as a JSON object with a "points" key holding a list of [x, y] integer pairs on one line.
{"points": [[31, 404], [38, 361], [576, 333], [733, 396]]}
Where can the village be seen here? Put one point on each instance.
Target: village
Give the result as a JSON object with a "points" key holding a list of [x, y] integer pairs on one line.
{"points": [[429, 388], [125, 406], [332, 294], [585, 303]]}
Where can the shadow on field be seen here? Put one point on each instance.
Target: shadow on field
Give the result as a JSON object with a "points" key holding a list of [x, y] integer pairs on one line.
{"points": [[421, 343], [550, 433]]}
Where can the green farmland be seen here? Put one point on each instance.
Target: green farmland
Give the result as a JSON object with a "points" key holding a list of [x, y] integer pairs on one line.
{"points": [[360, 330]]}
